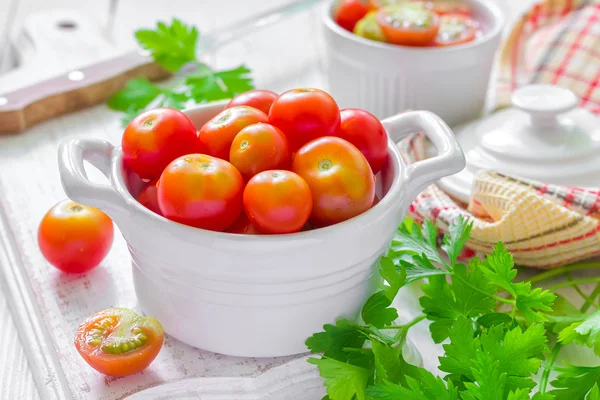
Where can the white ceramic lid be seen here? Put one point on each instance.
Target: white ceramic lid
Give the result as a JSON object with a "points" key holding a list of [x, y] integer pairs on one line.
{"points": [[543, 137]]}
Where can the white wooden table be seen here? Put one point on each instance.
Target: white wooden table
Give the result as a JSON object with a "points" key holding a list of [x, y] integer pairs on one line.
{"points": [[16, 362]]}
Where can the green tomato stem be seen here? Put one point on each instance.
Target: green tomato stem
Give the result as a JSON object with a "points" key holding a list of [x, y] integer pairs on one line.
{"points": [[561, 270]]}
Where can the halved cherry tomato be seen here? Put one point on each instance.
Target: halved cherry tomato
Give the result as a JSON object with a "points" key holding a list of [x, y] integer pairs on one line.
{"points": [[258, 148], [364, 130], [277, 201], [155, 138], [408, 24], [456, 29], [304, 115], [201, 191], [368, 28], [349, 12], [75, 238], [377, 4], [148, 197], [218, 133], [259, 99], [340, 179], [444, 7], [243, 226], [118, 342]]}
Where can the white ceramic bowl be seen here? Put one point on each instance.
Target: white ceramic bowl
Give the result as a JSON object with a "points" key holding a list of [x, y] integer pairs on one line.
{"points": [[255, 296], [386, 79]]}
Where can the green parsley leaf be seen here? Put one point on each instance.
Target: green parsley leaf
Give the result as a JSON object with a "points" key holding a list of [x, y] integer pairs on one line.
{"points": [[443, 303], [454, 241], [594, 394], [585, 332], [395, 277], [575, 382], [377, 311], [335, 338], [389, 362], [519, 394], [343, 381], [171, 46], [498, 268], [563, 314], [491, 381], [408, 239], [494, 318], [419, 267], [425, 386], [136, 94], [206, 85]]}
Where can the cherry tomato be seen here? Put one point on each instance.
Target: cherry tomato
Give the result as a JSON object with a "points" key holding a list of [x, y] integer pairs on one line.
{"points": [[118, 342], [259, 99], [339, 177], [349, 12], [377, 4], [218, 133], [444, 7], [201, 191], [258, 148], [75, 238], [148, 197], [408, 24], [277, 201], [243, 226], [304, 115], [456, 29], [368, 28], [364, 131], [155, 138]]}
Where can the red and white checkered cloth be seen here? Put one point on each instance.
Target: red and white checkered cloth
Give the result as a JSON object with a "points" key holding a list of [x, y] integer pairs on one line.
{"points": [[556, 42]]}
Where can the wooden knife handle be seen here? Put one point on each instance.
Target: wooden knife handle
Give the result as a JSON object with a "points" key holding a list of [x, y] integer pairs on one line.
{"points": [[74, 90]]}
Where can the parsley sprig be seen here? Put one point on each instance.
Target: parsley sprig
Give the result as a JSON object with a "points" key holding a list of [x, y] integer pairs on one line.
{"points": [[173, 47], [495, 329]]}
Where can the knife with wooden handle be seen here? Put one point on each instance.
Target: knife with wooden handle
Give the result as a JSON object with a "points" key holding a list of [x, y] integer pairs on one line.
{"points": [[87, 86]]}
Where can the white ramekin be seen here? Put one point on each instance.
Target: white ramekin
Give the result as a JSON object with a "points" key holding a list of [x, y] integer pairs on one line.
{"points": [[252, 295], [386, 79]]}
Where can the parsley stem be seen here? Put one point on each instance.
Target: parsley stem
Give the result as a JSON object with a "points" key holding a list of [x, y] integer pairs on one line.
{"points": [[408, 325], [548, 367], [475, 288], [561, 270], [590, 300], [595, 279]]}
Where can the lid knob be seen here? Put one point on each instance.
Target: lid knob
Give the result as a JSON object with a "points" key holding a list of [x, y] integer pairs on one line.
{"points": [[544, 103]]}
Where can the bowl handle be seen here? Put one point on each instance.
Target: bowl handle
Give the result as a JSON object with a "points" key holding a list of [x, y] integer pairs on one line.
{"points": [[449, 160], [78, 187]]}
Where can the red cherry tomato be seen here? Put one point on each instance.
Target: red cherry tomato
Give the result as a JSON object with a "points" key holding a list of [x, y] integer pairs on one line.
{"points": [[148, 197], [201, 191], [456, 29], [349, 12], [259, 99], [304, 115], [155, 138], [218, 133], [243, 226], [258, 148], [364, 130], [444, 7], [118, 342], [75, 238], [277, 201], [408, 24], [339, 177]]}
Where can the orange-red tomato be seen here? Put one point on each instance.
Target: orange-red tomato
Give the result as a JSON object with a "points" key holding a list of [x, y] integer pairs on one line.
{"points": [[75, 238], [259, 99], [155, 138], [364, 130], [218, 133], [277, 201], [244, 226], [201, 191], [258, 148], [148, 197], [304, 115], [409, 24], [456, 29], [349, 12], [340, 179], [118, 342], [377, 4]]}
